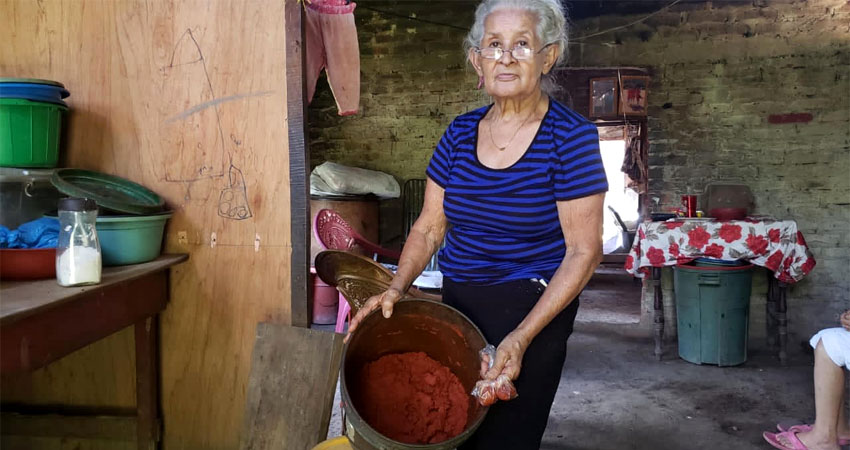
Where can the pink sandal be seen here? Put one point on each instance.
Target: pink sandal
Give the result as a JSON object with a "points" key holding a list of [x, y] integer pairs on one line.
{"points": [[790, 436], [805, 428]]}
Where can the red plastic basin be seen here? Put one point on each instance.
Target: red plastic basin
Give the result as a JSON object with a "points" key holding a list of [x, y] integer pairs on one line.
{"points": [[728, 213], [27, 263]]}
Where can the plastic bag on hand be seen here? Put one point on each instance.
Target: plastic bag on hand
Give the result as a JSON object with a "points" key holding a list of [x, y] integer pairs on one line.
{"points": [[489, 391], [490, 352], [505, 389], [485, 392]]}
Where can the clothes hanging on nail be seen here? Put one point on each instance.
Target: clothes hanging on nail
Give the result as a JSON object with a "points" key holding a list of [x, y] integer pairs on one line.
{"points": [[634, 163], [331, 44]]}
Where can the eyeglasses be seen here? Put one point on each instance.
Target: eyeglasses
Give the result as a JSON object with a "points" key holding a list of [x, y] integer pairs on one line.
{"points": [[519, 52]]}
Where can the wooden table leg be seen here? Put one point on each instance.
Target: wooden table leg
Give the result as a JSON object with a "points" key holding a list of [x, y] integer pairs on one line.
{"points": [[147, 383], [782, 320], [658, 313], [770, 312]]}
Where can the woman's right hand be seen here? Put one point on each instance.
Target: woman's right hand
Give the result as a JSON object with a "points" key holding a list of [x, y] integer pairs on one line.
{"points": [[385, 300], [845, 320]]}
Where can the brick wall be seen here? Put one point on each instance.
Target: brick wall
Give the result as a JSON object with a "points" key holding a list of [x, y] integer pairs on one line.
{"points": [[719, 74]]}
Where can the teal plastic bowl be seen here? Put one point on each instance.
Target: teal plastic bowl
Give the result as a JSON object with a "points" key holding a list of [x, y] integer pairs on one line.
{"points": [[130, 239]]}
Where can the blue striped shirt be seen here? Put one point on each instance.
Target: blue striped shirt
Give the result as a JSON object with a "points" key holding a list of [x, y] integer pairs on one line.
{"points": [[504, 223]]}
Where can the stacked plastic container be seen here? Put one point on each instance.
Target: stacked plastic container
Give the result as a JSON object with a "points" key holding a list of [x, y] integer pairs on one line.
{"points": [[30, 122], [131, 219], [30, 128]]}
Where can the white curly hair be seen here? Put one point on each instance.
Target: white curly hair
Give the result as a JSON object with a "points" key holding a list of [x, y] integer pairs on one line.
{"points": [[551, 27]]}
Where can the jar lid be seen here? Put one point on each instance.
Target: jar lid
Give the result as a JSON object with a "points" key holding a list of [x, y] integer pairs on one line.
{"points": [[77, 204]]}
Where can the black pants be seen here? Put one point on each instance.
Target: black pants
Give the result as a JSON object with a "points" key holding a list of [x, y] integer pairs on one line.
{"points": [[497, 310]]}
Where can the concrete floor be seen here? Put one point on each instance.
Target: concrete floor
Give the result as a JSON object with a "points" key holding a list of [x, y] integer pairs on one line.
{"points": [[614, 395], [611, 296]]}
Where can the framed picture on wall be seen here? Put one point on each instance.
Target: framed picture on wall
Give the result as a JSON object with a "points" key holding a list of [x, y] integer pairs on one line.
{"points": [[603, 97], [633, 90]]}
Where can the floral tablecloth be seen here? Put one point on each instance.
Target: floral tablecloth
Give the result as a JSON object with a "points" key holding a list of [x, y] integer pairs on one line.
{"points": [[774, 244]]}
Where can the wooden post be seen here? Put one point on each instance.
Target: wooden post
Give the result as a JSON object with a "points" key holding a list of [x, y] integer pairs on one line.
{"points": [[299, 164]]}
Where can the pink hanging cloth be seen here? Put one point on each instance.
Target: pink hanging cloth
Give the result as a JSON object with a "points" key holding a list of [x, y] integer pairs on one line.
{"points": [[332, 45]]}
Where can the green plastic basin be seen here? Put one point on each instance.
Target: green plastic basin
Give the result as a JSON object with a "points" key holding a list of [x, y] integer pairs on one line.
{"points": [[29, 133], [130, 239]]}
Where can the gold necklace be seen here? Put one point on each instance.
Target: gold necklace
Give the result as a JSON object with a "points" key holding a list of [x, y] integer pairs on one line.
{"points": [[502, 148]]}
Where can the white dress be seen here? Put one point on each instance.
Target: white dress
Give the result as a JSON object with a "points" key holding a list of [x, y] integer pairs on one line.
{"points": [[836, 342]]}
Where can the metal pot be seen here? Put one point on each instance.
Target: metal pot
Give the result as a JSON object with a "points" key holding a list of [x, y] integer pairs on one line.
{"points": [[416, 325]]}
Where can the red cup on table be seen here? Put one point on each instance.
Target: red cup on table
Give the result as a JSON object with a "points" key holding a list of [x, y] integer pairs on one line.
{"points": [[689, 205]]}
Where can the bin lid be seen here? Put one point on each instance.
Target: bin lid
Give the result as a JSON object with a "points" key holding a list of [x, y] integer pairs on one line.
{"points": [[719, 262], [31, 81], [109, 191], [709, 268], [7, 101]]}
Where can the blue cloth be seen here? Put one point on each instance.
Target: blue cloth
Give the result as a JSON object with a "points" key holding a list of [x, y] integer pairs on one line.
{"points": [[504, 223], [40, 233]]}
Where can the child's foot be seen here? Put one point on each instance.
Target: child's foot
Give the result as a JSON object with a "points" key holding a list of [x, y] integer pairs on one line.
{"points": [[798, 440], [843, 433], [814, 442]]}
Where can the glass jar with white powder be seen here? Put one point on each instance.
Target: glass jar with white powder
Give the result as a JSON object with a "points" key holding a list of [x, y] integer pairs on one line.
{"points": [[78, 260]]}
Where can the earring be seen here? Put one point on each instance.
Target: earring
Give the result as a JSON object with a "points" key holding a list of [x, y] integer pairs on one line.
{"points": [[480, 81]]}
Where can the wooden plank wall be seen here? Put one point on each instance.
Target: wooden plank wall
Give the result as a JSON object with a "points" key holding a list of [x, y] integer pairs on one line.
{"points": [[187, 97]]}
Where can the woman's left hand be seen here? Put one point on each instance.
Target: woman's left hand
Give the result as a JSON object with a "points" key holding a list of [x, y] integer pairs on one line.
{"points": [[508, 357]]}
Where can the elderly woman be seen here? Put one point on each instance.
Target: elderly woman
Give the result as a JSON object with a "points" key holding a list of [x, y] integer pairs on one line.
{"points": [[519, 185]]}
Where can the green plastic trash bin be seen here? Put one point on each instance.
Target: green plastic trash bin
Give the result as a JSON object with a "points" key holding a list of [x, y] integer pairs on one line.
{"points": [[713, 308]]}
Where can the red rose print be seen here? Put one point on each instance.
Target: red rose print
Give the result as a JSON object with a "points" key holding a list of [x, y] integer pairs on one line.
{"points": [[656, 256], [757, 244], [774, 261], [630, 262], [808, 266], [730, 232], [641, 234], [773, 235], [681, 260], [714, 251], [698, 237], [800, 239], [674, 250], [788, 262], [673, 225]]}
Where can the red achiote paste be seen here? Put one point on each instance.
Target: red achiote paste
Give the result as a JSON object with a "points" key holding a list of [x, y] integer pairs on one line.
{"points": [[412, 398]]}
